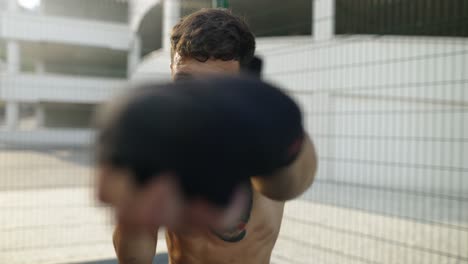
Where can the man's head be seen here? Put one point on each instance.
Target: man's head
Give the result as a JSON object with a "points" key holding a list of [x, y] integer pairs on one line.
{"points": [[210, 41]]}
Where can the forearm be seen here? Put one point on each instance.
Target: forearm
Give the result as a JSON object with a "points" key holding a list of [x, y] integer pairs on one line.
{"points": [[289, 182], [134, 247]]}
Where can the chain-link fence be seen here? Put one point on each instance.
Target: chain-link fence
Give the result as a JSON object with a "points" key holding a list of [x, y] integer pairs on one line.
{"points": [[382, 85]]}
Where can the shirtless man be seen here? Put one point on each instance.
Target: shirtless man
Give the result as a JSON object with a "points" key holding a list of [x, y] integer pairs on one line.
{"points": [[202, 229]]}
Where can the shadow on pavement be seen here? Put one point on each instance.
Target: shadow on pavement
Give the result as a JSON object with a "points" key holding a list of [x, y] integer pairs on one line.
{"points": [[400, 203], [79, 156], [82, 156], [158, 259]]}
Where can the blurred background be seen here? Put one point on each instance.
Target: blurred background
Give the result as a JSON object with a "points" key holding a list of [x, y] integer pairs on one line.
{"points": [[383, 85]]}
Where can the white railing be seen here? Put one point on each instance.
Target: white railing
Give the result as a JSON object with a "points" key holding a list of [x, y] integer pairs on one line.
{"points": [[48, 137], [35, 27], [57, 88]]}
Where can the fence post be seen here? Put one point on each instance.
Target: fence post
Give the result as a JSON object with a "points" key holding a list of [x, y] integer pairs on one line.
{"points": [[323, 19]]}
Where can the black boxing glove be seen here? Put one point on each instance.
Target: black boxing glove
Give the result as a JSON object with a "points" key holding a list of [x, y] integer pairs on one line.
{"points": [[254, 67], [212, 133], [258, 122]]}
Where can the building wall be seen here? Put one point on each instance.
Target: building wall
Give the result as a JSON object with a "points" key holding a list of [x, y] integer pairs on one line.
{"points": [[63, 53], [102, 10], [137, 10], [386, 111]]}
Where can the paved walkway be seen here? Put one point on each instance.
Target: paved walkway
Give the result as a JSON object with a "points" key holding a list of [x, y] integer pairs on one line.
{"points": [[48, 215]]}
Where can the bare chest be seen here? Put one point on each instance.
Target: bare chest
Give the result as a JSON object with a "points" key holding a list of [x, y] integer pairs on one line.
{"points": [[261, 232]]}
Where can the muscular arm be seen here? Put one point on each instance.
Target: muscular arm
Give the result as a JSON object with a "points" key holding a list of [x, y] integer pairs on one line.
{"points": [[289, 182], [134, 247]]}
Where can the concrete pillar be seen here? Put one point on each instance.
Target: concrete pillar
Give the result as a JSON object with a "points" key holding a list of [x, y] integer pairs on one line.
{"points": [[39, 115], [3, 66], [171, 16], [12, 114], [134, 55], [324, 19], [12, 67], [13, 57], [39, 67], [12, 5], [40, 9]]}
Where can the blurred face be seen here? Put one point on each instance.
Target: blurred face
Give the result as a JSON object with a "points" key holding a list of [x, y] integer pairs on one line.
{"points": [[182, 68]]}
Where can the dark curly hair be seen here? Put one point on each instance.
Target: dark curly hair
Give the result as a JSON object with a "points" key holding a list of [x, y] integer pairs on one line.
{"points": [[213, 33]]}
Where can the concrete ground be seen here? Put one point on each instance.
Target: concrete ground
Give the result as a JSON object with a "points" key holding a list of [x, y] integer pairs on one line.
{"points": [[48, 214]]}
